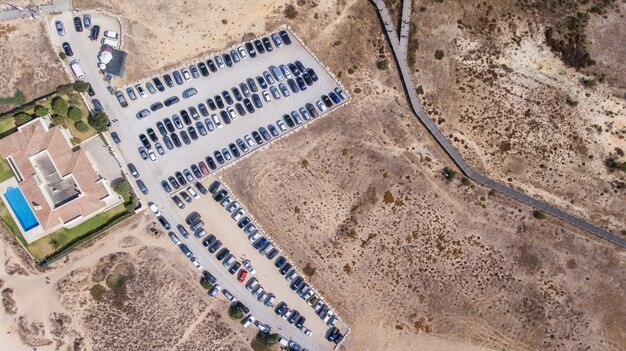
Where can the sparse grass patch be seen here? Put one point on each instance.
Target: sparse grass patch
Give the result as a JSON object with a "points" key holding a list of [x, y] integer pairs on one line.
{"points": [[16, 99], [413, 45], [388, 198], [97, 292], [308, 270]]}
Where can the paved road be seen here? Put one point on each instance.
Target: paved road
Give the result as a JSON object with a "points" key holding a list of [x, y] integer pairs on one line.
{"points": [[85, 52], [400, 53], [57, 6]]}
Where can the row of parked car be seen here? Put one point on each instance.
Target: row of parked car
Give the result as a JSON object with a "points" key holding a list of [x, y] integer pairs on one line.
{"points": [[203, 68]]}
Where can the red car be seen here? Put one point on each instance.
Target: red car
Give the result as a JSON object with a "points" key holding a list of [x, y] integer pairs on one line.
{"points": [[242, 275], [203, 168]]}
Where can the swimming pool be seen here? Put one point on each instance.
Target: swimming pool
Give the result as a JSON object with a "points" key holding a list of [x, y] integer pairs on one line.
{"points": [[20, 207]]}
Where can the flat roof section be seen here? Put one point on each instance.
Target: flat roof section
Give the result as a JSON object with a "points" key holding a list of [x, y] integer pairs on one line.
{"points": [[60, 190]]}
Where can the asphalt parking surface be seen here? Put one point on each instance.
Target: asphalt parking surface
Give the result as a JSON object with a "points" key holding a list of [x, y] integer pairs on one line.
{"points": [[128, 127]]}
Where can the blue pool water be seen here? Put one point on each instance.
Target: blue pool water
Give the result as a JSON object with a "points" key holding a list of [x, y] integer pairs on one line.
{"points": [[20, 207]]}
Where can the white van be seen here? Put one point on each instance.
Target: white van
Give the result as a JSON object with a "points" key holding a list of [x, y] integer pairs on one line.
{"points": [[110, 42], [77, 69], [247, 321], [111, 34]]}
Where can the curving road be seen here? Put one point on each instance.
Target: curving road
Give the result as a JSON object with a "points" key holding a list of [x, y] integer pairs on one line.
{"points": [[400, 55]]}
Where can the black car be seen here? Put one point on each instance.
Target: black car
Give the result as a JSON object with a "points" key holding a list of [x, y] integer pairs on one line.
{"points": [[173, 182], [264, 133], [228, 60], [196, 171], [219, 101], [307, 79], [301, 84], [248, 105], [244, 89], [220, 196], [214, 186], [327, 101], [152, 135], [68, 49], [95, 32], [166, 186], [203, 110], [171, 100], [203, 69], [218, 157], [90, 91], [78, 24], [144, 141], [227, 97], [280, 261], [185, 137], [156, 106], [272, 254], [243, 307], [201, 128], [267, 44], [224, 117], [257, 137], [158, 84], [216, 246], [259, 46], [294, 316], [194, 113], [300, 66], [192, 218], [281, 309], [181, 179], [201, 188], [161, 128], [244, 222], [285, 37], [177, 77], [285, 268], [208, 241], [272, 130], [296, 72], [168, 142], [211, 65], [175, 140], [211, 104], [242, 145], [210, 162], [192, 133], [252, 85], [250, 49], [168, 125], [168, 80], [237, 94], [311, 72], [289, 121], [234, 267], [222, 254], [164, 222], [312, 110], [185, 117], [234, 150], [293, 85], [261, 82], [240, 110], [180, 205], [257, 101]]}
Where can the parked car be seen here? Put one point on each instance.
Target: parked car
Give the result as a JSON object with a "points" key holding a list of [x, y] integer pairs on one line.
{"points": [[67, 49], [59, 27]]}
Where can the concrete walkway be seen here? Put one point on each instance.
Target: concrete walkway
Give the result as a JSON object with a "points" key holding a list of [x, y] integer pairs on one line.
{"points": [[400, 54]]}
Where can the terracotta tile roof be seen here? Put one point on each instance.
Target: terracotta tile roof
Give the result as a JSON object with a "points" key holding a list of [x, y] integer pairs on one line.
{"points": [[32, 139]]}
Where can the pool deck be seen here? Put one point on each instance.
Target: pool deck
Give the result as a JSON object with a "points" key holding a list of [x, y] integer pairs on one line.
{"points": [[34, 233]]}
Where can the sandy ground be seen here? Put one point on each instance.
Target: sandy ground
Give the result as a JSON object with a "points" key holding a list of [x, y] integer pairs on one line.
{"points": [[29, 63], [161, 306], [501, 96]]}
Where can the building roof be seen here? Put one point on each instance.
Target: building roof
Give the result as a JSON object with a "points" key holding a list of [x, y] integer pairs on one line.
{"points": [[59, 182]]}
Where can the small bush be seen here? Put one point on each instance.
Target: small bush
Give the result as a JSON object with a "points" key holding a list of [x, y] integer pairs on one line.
{"points": [[58, 120], [538, 214], [62, 55], [465, 181], [308, 270], [22, 118], [41, 110], [448, 173], [74, 113], [205, 283], [97, 292], [235, 312], [388, 198], [122, 187], [291, 12], [60, 106], [81, 126], [439, 54], [383, 64]]}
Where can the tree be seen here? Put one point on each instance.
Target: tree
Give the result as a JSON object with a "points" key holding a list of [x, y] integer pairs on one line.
{"points": [[267, 339], [448, 173], [80, 86], [22, 118], [64, 89], [121, 186], [41, 110], [74, 113], [62, 55], [58, 120], [205, 283], [60, 106], [99, 121], [291, 12], [235, 312], [383, 64], [81, 126]]}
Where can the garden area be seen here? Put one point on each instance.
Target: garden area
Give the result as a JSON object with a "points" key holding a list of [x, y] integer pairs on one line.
{"points": [[67, 109]]}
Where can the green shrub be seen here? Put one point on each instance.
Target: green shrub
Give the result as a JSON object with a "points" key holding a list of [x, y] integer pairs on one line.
{"points": [[74, 113], [17, 99], [538, 214], [81, 126], [58, 120], [448, 173], [383, 64], [22, 118], [80, 86], [62, 55], [235, 312], [99, 121], [60, 106], [206, 284], [41, 110]]}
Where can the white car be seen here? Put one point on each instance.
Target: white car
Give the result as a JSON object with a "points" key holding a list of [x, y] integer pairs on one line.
{"points": [[281, 125], [306, 331], [238, 215], [193, 193], [141, 91], [152, 155], [155, 209], [262, 327], [232, 207], [242, 52], [197, 264], [249, 140], [186, 74], [321, 106], [248, 266], [231, 113], [255, 236], [216, 121], [266, 96]]}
